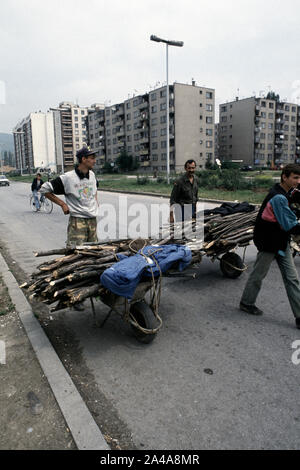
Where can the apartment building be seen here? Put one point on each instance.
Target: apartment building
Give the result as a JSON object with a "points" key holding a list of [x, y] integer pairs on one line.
{"points": [[34, 142], [258, 131], [70, 125], [96, 132], [139, 126]]}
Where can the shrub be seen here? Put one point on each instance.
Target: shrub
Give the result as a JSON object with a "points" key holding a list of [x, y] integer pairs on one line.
{"points": [[142, 180]]}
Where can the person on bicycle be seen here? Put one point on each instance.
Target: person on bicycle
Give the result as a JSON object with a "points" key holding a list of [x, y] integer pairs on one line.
{"points": [[79, 186], [35, 188]]}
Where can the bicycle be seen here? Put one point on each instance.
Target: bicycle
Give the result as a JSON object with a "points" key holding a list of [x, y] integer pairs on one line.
{"points": [[45, 205]]}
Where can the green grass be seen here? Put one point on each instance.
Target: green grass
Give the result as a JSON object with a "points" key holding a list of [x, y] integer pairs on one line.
{"points": [[122, 183]]}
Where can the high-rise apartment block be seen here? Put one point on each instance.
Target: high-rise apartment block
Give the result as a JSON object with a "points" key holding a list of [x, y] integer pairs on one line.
{"points": [[259, 131], [34, 142], [138, 126], [50, 140], [70, 133]]}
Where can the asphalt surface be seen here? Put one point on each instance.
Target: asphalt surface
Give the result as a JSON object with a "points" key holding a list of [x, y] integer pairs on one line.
{"points": [[213, 378]]}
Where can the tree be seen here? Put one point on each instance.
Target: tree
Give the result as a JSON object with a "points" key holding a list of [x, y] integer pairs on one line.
{"points": [[272, 96], [126, 162]]}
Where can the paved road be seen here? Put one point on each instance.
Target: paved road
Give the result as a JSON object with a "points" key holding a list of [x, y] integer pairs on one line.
{"points": [[214, 378]]}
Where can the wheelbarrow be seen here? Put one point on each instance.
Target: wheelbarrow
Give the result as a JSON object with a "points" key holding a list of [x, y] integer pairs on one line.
{"points": [[141, 312]]}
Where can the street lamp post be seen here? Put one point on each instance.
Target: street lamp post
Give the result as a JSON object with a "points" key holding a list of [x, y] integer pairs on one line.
{"points": [[168, 43], [19, 133]]}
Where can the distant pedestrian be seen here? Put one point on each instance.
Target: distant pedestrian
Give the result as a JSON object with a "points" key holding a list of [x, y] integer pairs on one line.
{"points": [[275, 224], [35, 188]]}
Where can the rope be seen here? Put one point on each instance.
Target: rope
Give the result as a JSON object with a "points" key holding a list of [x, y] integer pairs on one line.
{"points": [[156, 292]]}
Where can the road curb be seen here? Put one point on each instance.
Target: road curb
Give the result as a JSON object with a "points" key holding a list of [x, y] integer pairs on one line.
{"points": [[83, 428], [217, 201]]}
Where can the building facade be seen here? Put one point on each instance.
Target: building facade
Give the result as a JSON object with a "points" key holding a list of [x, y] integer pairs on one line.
{"points": [[258, 131], [138, 126], [70, 127], [35, 143]]}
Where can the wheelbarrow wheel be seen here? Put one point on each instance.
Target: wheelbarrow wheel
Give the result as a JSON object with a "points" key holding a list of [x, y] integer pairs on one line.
{"points": [[231, 265], [144, 316]]}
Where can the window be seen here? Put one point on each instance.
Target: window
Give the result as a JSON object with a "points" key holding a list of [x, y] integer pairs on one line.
{"points": [[128, 116], [153, 96], [128, 127], [136, 136], [82, 112], [154, 121], [129, 138], [154, 133], [135, 102], [209, 120], [209, 132], [263, 104], [223, 109], [209, 107], [163, 119], [164, 156], [163, 131], [263, 115], [136, 114], [271, 105], [154, 108], [155, 157], [209, 95], [163, 106], [271, 115], [286, 108], [154, 145], [224, 119], [163, 144], [128, 105], [209, 144], [294, 109], [163, 93], [75, 111]]}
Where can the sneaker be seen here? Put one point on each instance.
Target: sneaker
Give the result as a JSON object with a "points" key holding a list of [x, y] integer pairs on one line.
{"points": [[252, 309], [298, 323]]}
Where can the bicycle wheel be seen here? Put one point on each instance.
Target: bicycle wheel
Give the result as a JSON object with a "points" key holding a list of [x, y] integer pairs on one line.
{"points": [[32, 204], [47, 206]]}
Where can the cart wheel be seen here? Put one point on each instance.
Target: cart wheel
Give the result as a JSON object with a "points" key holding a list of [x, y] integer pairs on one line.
{"points": [[229, 262], [145, 318]]}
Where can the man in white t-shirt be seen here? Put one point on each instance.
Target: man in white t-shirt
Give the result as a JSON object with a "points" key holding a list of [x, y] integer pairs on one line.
{"points": [[79, 187]]}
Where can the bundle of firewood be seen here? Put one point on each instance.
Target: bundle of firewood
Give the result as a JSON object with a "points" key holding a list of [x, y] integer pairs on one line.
{"points": [[224, 233], [75, 275]]}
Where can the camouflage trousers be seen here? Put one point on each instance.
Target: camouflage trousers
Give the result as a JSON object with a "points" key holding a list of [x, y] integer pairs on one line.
{"points": [[81, 230]]}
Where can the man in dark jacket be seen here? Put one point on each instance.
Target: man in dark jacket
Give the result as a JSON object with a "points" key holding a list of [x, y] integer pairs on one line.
{"points": [[35, 187], [184, 195], [274, 225]]}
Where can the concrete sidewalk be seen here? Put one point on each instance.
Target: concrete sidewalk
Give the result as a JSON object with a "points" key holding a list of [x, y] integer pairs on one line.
{"points": [[40, 407]]}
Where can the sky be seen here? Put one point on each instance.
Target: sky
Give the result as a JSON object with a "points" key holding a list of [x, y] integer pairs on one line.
{"points": [[99, 51]]}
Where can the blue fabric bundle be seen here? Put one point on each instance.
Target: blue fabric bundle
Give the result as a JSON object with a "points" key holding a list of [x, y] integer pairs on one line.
{"points": [[123, 278]]}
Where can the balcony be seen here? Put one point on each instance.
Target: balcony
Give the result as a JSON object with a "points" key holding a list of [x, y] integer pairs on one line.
{"points": [[144, 152], [144, 104], [279, 111], [278, 150], [144, 116]]}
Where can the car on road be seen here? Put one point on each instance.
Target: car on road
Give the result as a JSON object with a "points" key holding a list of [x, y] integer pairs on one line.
{"points": [[4, 181]]}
